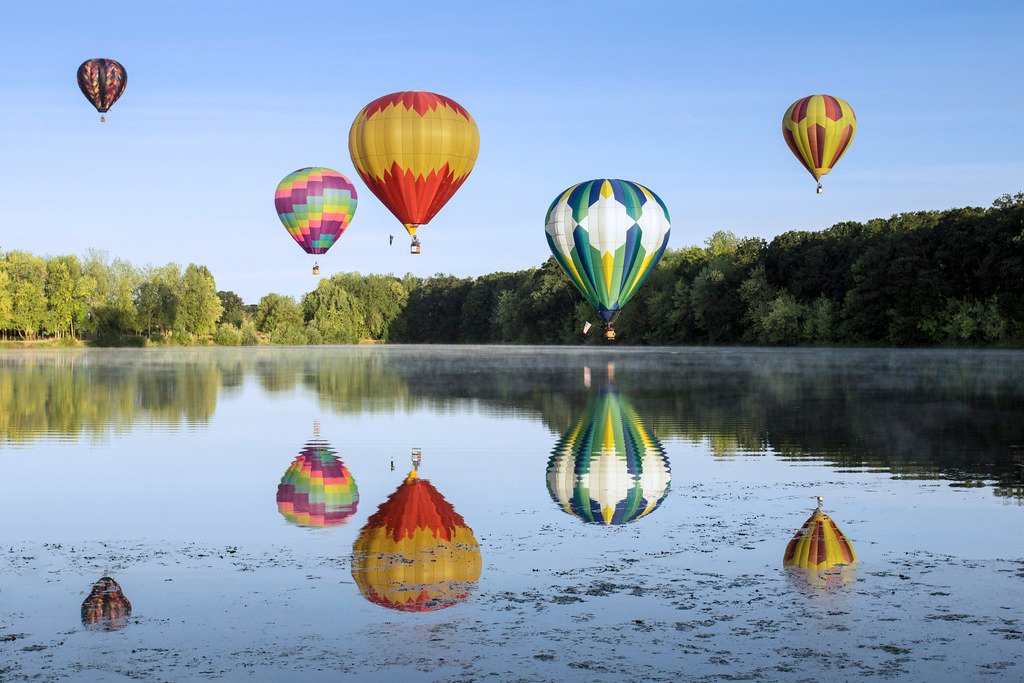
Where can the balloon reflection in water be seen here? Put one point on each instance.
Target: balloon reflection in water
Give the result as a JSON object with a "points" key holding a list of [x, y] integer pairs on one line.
{"points": [[416, 553], [608, 468], [317, 490], [820, 553], [106, 608]]}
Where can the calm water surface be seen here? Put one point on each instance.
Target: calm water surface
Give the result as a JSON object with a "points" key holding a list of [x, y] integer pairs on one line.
{"points": [[608, 515]]}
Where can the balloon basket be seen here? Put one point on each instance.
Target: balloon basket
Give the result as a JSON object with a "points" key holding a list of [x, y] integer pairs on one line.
{"points": [[316, 269], [103, 119], [820, 190], [414, 246], [609, 334]]}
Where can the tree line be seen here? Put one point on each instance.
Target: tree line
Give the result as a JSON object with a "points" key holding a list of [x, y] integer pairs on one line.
{"points": [[928, 278]]}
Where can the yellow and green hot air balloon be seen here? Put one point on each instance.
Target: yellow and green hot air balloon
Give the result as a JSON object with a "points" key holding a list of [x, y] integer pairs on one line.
{"points": [[819, 130], [416, 553], [818, 548], [608, 468], [607, 236]]}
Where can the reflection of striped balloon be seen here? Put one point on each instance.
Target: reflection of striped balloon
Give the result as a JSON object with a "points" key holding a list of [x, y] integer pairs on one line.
{"points": [[416, 553], [106, 607], [819, 544], [608, 469], [818, 130], [317, 490], [607, 235], [315, 205], [414, 150]]}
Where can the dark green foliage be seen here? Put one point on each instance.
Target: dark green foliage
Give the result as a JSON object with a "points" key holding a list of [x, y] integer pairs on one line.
{"points": [[951, 277]]}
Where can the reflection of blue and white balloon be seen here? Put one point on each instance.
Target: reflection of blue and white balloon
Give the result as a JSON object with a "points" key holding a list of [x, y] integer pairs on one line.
{"points": [[608, 469]]}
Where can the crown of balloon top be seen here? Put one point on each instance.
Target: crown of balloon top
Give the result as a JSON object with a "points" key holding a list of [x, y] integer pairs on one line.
{"points": [[419, 101]]}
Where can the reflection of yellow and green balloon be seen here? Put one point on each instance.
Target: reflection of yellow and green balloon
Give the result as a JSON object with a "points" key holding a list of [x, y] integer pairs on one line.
{"points": [[608, 468], [820, 550], [317, 490], [416, 553]]}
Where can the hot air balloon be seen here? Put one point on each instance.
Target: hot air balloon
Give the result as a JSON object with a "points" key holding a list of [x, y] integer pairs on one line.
{"points": [[819, 130], [818, 549], [414, 149], [316, 205], [416, 553], [607, 235], [106, 608], [102, 81], [608, 468], [317, 490]]}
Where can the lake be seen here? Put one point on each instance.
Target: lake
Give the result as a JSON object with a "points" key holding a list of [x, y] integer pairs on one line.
{"points": [[576, 514]]}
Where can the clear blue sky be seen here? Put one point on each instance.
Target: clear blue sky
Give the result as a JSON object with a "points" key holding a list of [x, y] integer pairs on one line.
{"points": [[226, 98]]}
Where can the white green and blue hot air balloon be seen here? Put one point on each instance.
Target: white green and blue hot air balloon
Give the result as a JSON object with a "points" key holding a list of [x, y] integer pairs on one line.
{"points": [[607, 235]]}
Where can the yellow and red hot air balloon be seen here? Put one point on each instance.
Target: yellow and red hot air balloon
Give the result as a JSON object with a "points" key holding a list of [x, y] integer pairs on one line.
{"points": [[416, 553], [819, 548], [818, 130], [414, 149]]}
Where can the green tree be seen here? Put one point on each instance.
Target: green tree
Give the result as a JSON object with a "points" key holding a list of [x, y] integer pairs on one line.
{"points": [[276, 310], [234, 310], [199, 307], [27, 286]]}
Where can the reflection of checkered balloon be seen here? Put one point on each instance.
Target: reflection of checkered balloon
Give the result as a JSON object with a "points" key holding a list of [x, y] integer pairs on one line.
{"points": [[317, 490], [315, 205], [607, 235]]}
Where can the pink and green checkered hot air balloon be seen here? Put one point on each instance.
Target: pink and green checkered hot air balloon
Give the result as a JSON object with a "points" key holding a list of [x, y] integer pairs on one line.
{"points": [[316, 205], [317, 490]]}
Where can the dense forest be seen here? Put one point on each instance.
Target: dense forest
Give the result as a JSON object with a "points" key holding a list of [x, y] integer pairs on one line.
{"points": [[930, 278]]}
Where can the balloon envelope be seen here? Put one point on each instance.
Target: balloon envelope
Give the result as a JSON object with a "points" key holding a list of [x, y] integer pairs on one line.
{"points": [[607, 235], [416, 553], [102, 81], [818, 130], [818, 545], [315, 205], [106, 607], [608, 468], [414, 150], [317, 490]]}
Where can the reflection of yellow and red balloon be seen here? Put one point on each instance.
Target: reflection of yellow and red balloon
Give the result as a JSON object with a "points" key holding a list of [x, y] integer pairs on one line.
{"points": [[414, 149], [106, 607], [317, 490], [820, 551], [416, 553], [818, 130]]}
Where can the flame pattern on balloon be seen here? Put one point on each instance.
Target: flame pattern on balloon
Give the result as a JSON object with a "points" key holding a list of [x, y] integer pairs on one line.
{"points": [[416, 553], [818, 130], [102, 81], [414, 150], [106, 607], [316, 205], [819, 545], [607, 235], [608, 468], [317, 490]]}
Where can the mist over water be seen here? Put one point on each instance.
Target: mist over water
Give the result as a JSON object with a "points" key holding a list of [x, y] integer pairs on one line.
{"points": [[627, 509]]}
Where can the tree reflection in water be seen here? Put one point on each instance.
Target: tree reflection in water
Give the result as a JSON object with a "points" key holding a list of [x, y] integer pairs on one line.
{"points": [[952, 415]]}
